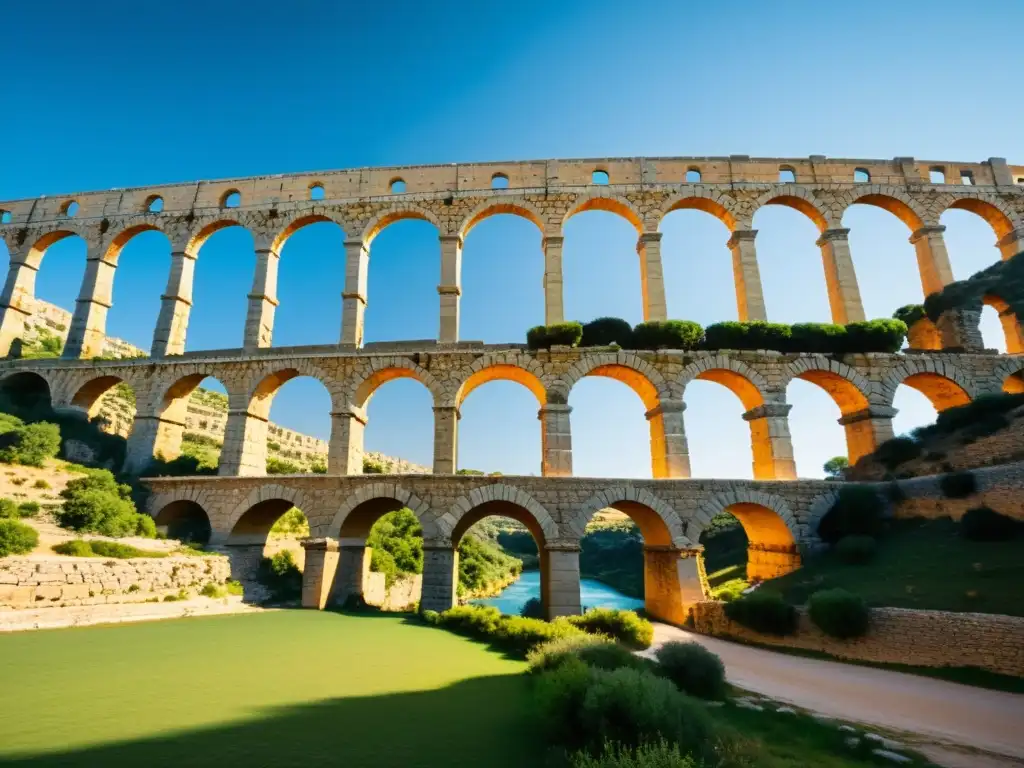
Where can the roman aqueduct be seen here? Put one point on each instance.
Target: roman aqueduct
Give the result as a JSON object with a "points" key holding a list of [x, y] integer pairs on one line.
{"points": [[777, 510]]}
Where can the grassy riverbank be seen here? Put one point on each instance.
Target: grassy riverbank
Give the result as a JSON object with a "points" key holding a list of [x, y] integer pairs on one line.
{"points": [[284, 688]]}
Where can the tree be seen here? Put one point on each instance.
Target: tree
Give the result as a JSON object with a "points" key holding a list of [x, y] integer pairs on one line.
{"points": [[835, 467]]}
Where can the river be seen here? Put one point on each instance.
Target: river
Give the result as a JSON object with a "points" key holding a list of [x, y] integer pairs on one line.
{"points": [[593, 594]]}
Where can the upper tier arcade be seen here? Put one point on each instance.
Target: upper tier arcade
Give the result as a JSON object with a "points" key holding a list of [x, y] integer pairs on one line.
{"points": [[457, 197]]}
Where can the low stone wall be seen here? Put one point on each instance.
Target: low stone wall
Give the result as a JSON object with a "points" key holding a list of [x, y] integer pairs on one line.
{"points": [[58, 582], [997, 487], [897, 636]]}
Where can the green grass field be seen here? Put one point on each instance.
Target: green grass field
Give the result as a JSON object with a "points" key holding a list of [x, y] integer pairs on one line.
{"points": [[273, 689], [922, 564]]}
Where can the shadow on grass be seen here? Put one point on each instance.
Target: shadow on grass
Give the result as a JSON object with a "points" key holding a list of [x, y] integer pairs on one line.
{"points": [[479, 722]]}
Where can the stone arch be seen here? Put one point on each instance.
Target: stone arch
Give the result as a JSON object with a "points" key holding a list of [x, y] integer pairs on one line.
{"points": [[1010, 321], [659, 523], [241, 530], [88, 394], [375, 500], [522, 369], [36, 251], [627, 367], [847, 387], [995, 212], [705, 199], [494, 207], [497, 496], [890, 199], [185, 514], [798, 198], [32, 389], [1009, 375], [261, 395], [301, 219], [735, 375], [207, 229], [941, 382], [610, 203], [125, 235], [773, 531], [361, 389], [391, 215]]}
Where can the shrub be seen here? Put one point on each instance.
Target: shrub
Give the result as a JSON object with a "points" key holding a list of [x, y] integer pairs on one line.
{"points": [[121, 551], [625, 626], [532, 609], [896, 451], [546, 336], [559, 696], [857, 510], [605, 331], [281, 576], [515, 634], [631, 707], [281, 467], [28, 508], [835, 467], [234, 587], [41, 484], [764, 612], [823, 338], [551, 654], [211, 590], [99, 512], [31, 444], [145, 526], [958, 485], [657, 755], [667, 334], [16, 538], [884, 335], [856, 550], [73, 548], [371, 467], [981, 410], [9, 510], [985, 524], [910, 314], [693, 668], [752, 335], [839, 613], [610, 656]]}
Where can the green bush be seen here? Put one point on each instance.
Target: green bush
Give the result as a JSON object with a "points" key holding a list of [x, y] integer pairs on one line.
{"points": [[74, 548], [884, 335], [657, 755], [985, 524], [910, 314], [983, 409], [823, 338], [551, 654], [605, 331], [958, 485], [693, 668], [546, 336], [41, 484], [30, 445], [396, 540], [212, 590], [121, 551], [856, 549], [16, 538], [371, 467], [631, 707], [234, 587], [610, 656], [9, 510], [625, 626], [515, 634], [764, 612], [558, 701], [281, 467], [532, 609], [752, 335], [28, 508], [839, 613], [281, 576], [835, 467], [857, 510], [896, 451], [100, 512], [668, 334]]}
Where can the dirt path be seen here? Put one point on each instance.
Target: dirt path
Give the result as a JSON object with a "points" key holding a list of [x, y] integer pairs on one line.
{"points": [[944, 712]]}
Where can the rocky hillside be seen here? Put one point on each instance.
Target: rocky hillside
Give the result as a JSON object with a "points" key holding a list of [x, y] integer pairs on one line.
{"points": [[206, 417]]}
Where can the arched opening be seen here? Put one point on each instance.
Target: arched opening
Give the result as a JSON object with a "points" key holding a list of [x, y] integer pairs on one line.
{"points": [[266, 529], [502, 256], [746, 543], [600, 252], [697, 264], [316, 192], [502, 559], [937, 175], [718, 438], [861, 176], [972, 229], [402, 281], [940, 391], [693, 176], [1000, 326], [787, 175], [154, 204], [823, 397], [1014, 383], [499, 181], [53, 292], [399, 424], [396, 186], [108, 403], [311, 279], [25, 395], [222, 281], [143, 262], [599, 177], [299, 427], [790, 261], [609, 435], [6, 217], [381, 555], [70, 209], [187, 437], [231, 199], [886, 263], [184, 520]]}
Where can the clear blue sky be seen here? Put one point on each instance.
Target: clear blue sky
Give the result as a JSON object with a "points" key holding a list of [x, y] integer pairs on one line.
{"points": [[149, 93]]}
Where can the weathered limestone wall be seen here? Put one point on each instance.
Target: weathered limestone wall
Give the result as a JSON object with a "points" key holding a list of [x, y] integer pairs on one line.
{"points": [[404, 593], [29, 582], [1001, 488], [897, 636]]}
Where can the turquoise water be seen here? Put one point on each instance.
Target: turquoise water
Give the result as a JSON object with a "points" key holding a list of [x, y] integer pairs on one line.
{"points": [[593, 594]]}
